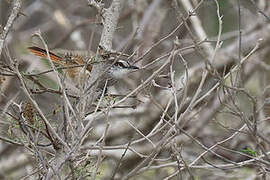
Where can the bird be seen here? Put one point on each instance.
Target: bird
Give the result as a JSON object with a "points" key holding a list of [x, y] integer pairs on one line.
{"points": [[74, 61]]}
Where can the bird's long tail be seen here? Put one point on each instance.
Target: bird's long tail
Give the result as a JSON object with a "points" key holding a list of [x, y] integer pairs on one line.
{"points": [[42, 53]]}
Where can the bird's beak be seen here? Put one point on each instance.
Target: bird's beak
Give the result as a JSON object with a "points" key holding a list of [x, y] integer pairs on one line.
{"points": [[134, 67]]}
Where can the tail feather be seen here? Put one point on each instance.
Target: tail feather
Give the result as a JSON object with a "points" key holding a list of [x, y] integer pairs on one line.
{"points": [[42, 53]]}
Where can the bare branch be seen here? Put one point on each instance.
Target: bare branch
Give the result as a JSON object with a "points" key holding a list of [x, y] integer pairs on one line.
{"points": [[14, 14]]}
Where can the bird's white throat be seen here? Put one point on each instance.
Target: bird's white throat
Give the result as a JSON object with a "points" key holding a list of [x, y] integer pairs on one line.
{"points": [[118, 73]]}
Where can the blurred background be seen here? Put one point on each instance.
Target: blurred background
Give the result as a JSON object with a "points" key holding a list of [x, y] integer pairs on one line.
{"points": [[233, 110]]}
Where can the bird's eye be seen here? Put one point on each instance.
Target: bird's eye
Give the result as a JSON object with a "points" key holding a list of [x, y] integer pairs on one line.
{"points": [[119, 64], [123, 64]]}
